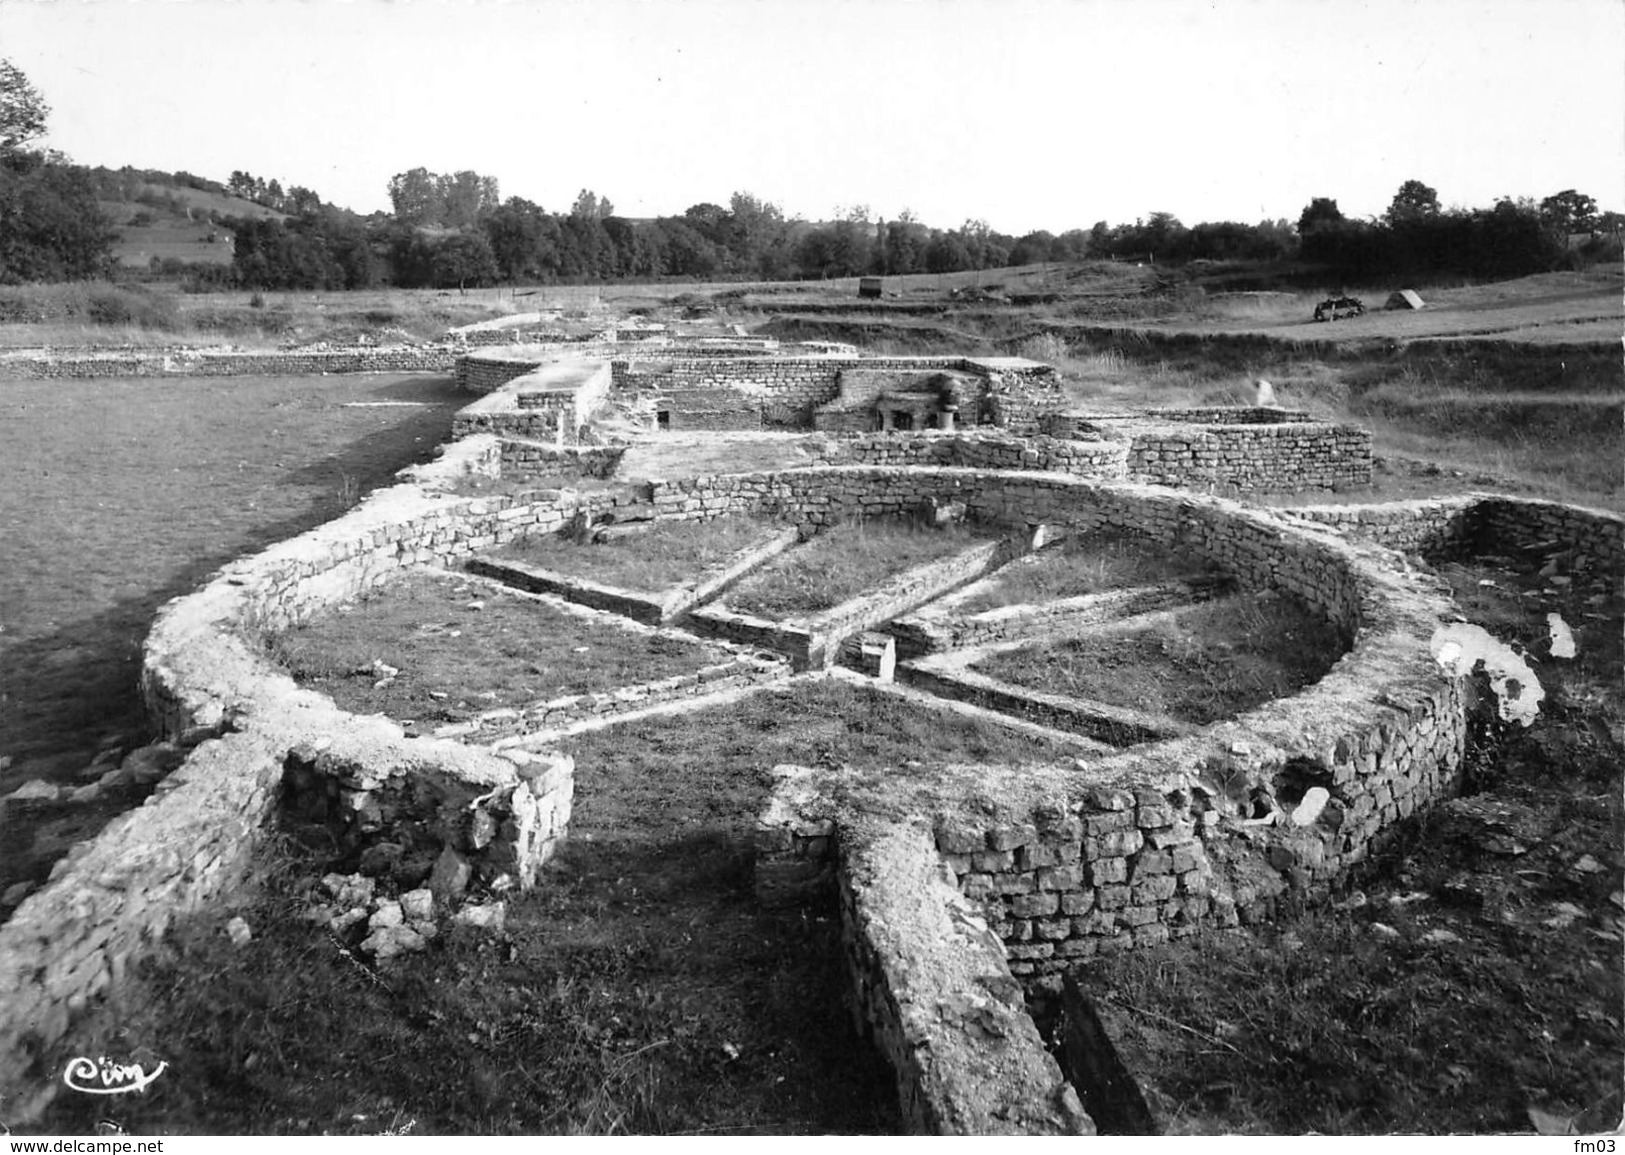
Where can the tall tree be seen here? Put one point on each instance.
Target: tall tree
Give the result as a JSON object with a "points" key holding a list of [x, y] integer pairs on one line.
{"points": [[1319, 213], [1413, 202], [416, 197], [22, 110], [1569, 211]]}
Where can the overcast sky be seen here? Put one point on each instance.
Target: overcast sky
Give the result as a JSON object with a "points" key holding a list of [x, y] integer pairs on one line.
{"points": [[1026, 113]]}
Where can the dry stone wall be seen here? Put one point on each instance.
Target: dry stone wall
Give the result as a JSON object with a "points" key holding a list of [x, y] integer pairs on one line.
{"points": [[929, 983], [932, 630], [549, 404], [1585, 543], [1221, 826], [982, 450], [526, 460], [1290, 457], [215, 363]]}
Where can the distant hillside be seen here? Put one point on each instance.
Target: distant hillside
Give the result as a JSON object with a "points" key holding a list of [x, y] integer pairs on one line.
{"points": [[171, 215]]}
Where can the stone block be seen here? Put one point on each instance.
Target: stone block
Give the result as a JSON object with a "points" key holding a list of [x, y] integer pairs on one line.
{"points": [[1150, 862], [1078, 902], [1036, 855], [1105, 798], [1111, 897], [1108, 870], [1036, 904], [1137, 915], [1010, 837], [994, 861], [1154, 888], [1024, 883], [1061, 878], [1096, 825], [1113, 845]]}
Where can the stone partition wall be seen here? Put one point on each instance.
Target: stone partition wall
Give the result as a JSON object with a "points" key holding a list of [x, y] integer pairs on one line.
{"points": [[222, 363], [527, 460], [1289, 457], [986, 449], [552, 404], [1586, 543], [1591, 541], [932, 987]]}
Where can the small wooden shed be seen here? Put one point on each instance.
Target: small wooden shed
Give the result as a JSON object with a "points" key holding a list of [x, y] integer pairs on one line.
{"points": [[869, 287]]}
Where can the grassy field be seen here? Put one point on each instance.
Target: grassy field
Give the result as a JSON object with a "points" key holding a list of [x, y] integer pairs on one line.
{"points": [[1202, 664], [457, 648]]}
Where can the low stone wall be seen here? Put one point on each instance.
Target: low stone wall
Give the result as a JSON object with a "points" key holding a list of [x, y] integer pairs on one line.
{"points": [[1588, 542], [648, 609], [527, 460], [982, 450], [1289, 457], [1584, 543], [552, 403], [1112, 725], [792, 639], [815, 641], [929, 983], [930, 631], [216, 363], [1427, 526], [754, 669], [905, 592], [1084, 422], [1218, 826]]}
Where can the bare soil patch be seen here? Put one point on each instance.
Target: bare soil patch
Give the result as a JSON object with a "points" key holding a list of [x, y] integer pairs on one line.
{"points": [[1198, 665]]}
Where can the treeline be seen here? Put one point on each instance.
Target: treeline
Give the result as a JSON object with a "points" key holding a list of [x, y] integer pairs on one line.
{"points": [[1416, 236], [52, 227], [456, 231]]}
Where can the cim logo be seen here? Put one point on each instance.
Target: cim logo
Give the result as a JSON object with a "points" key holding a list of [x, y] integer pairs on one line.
{"points": [[102, 1076]]}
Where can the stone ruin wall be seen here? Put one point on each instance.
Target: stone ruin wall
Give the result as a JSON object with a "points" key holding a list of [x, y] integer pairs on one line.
{"points": [[1145, 847], [211, 363], [1592, 541], [1289, 457]]}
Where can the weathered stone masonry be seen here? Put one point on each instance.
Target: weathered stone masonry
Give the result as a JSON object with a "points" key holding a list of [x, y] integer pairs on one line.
{"points": [[1062, 862]]}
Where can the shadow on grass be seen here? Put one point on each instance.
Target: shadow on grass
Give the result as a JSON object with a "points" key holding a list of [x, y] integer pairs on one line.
{"points": [[639, 991]]}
